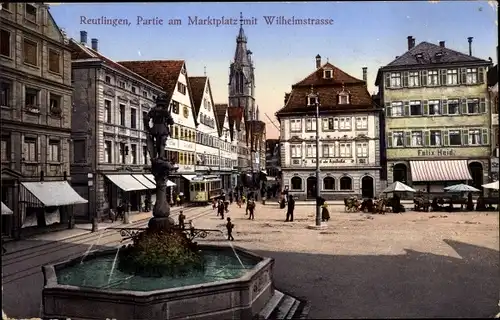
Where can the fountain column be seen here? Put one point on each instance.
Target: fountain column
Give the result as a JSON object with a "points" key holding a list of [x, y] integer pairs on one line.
{"points": [[161, 211]]}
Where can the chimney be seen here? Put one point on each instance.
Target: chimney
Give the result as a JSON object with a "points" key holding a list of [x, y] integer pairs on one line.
{"points": [[94, 44], [411, 42], [83, 37], [287, 96], [470, 45], [442, 44], [318, 61], [365, 76]]}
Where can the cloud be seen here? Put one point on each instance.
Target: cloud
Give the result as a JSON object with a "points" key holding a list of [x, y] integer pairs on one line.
{"points": [[433, 1]]}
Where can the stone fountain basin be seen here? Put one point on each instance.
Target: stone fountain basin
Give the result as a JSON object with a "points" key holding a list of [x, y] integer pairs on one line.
{"points": [[240, 298]]}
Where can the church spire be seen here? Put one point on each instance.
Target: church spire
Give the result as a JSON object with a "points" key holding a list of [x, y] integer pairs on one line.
{"points": [[241, 55]]}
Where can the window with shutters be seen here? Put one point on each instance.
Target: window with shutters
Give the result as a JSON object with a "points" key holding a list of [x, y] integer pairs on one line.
{"points": [[415, 108], [398, 138], [432, 78], [310, 150], [310, 124], [474, 137], [397, 109], [328, 150], [395, 80], [345, 124], [107, 111], [471, 76], [5, 43], [54, 61], [345, 150], [453, 106], [296, 150], [414, 79], [435, 138], [434, 107], [361, 123], [5, 148], [329, 183], [362, 150], [5, 94], [296, 125], [452, 77], [416, 139], [175, 106], [122, 114], [53, 152], [455, 139], [30, 149], [30, 52], [108, 152], [472, 106], [133, 118], [122, 150]]}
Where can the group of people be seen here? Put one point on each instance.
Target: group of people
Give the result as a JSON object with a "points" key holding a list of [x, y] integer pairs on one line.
{"points": [[287, 200]]}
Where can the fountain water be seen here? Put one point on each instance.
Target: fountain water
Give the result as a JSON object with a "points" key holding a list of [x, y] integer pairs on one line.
{"points": [[89, 249], [113, 265]]}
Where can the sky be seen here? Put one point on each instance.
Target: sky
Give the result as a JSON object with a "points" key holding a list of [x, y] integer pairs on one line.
{"points": [[363, 34]]}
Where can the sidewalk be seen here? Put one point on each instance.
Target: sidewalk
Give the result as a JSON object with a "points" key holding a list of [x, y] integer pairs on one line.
{"points": [[79, 230], [330, 202]]}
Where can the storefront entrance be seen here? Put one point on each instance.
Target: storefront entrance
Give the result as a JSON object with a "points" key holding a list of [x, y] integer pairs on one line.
{"points": [[311, 188], [367, 187]]}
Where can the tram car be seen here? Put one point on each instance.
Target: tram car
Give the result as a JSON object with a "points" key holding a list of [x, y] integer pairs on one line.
{"points": [[203, 190]]}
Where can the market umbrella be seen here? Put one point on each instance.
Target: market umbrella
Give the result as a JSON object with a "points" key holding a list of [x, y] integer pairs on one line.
{"points": [[491, 185], [6, 210], [398, 187], [461, 188]]}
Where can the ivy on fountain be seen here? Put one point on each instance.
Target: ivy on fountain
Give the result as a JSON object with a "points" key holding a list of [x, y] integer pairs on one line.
{"points": [[156, 253]]}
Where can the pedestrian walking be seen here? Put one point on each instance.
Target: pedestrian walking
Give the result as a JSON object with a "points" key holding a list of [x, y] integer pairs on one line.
{"points": [[229, 227], [220, 209], [251, 209], [290, 208], [182, 218], [325, 215]]}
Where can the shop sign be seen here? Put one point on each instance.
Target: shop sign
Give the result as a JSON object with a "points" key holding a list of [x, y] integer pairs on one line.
{"points": [[436, 152], [333, 160]]}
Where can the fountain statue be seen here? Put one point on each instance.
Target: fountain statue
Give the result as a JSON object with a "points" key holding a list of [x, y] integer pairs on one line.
{"points": [[161, 167]]}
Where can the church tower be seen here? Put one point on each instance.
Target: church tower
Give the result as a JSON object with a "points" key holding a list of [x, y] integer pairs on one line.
{"points": [[241, 78]]}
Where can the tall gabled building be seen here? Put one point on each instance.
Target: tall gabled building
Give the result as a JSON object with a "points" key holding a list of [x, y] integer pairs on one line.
{"points": [[172, 76], [348, 136], [437, 117], [493, 95], [242, 109]]}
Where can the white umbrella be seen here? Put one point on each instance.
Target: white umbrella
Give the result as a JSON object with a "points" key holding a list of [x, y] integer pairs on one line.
{"points": [[6, 210], [398, 187], [461, 188], [491, 185]]}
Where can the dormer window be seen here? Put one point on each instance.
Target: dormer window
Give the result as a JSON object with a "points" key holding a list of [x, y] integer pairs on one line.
{"points": [[312, 101], [419, 56], [439, 54], [343, 98], [328, 74]]}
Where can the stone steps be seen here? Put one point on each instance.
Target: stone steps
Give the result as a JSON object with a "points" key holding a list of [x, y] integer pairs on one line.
{"points": [[284, 306]]}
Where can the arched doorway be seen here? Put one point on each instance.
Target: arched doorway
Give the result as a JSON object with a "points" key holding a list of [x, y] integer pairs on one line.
{"points": [[476, 171], [367, 187], [400, 173], [311, 188]]}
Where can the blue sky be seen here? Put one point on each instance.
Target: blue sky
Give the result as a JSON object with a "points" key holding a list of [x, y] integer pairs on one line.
{"points": [[363, 34]]}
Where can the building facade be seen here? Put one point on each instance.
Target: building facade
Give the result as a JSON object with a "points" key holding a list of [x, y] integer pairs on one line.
{"points": [[213, 145], [273, 163], [493, 97], [437, 118], [35, 102], [348, 136], [109, 142]]}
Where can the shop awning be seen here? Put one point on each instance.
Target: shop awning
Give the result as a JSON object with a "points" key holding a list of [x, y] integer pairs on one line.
{"points": [[54, 193], [126, 182], [440, 170], [145, 181], [189, 177], [152, 179], [6, 210]]}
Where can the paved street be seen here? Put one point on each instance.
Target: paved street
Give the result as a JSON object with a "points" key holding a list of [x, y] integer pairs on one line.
{"points": [[362, 266]]}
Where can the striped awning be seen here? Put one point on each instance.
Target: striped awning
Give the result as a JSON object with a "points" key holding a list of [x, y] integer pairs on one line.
{"points": [[440, 170]]}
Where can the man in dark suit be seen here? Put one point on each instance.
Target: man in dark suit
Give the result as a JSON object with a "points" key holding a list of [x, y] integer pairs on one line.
{"points": [[290, 208]]}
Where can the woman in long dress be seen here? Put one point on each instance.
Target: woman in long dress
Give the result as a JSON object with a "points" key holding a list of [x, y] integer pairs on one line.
{"points": [[325, 215]]}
